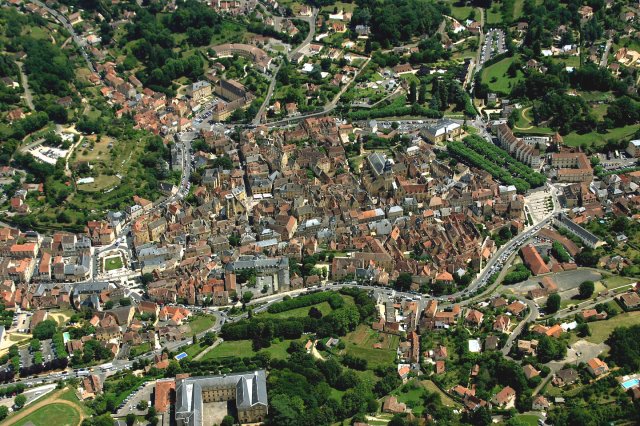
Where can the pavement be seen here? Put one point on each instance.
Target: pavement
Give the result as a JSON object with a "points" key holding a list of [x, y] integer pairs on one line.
{"points": [[141, 394]]}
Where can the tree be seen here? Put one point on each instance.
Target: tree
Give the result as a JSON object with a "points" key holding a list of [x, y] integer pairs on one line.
{"points": [[4, 412], [583, 330], [45, 330], [247, 296], [586, 289], [404, 281], [228, 421], [131, 419], [553, 303], [142, 405], [146, 278], [20, 400], [413, 92]]}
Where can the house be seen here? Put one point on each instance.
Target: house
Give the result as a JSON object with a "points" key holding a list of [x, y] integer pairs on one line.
{"points": [[597, 367], [527, 347], [391, 405], [567, 376], [593, 315], [540, 403], [505, 399], [630, 300], [502, 323], [530, 371], [491, 343], [585, 12], [474, 318]]}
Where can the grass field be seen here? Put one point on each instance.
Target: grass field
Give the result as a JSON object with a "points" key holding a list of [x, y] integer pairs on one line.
{"points": [[200, 323], [446, 400], [57, 414], [528, 419], [495, 76], [616, 281], [111, 263], [243, 348], [597, 139], [460, 10], [360, 343], [494, 16], [300, 312], [140, 349], [600, 330]]}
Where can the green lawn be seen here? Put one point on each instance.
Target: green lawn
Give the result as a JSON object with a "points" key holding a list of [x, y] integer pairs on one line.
{"points": [[140, 349], [495, 76], [360, 343], [597, 139], [57, 414], [600, 330], [243, 348], [300, 312], [528, 419], [460, 11], [517, 8], [111, 263], [446, 399], [200, 323], [616, 281], [493, 17]]}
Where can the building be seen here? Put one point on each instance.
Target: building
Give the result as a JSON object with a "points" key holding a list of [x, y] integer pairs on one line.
{"points": [[633, 149], [572, 167], [259, 57], [630, 300], [248, 390], [597, 367], [533, 260], [518, 148], [443, 130], [505, 399], [199, 90]]}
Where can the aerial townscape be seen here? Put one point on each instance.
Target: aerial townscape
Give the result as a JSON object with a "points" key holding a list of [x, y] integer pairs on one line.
{"points": [[319, 212]]}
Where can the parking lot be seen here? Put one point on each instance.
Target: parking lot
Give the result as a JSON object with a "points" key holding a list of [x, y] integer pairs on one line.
{"points": [[143, 393], [494, 45]]}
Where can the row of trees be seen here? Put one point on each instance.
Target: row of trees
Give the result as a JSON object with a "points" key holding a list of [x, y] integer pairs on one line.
{"points": [[467, 155], [334, 300]]}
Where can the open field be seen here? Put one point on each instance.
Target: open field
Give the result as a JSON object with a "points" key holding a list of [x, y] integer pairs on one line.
{"points": [[446, 400], [243, 348], [58, 414], [598, 139], [60, 408], [600, 330], [460, 11], [495, 76], [360, 343], [528, 419], [300, 312], [201, 323]]}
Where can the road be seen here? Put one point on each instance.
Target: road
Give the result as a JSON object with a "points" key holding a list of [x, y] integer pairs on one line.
{"points": [[531, 316], [312, 30], [25, 85], [605, 54], [65, 23]]}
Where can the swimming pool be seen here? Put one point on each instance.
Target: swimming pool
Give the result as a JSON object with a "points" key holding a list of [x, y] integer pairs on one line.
{"points": [[630, 383], [65, 337]]}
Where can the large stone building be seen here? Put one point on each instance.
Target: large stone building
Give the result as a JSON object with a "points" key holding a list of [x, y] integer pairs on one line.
{"points": [[248, 390]]}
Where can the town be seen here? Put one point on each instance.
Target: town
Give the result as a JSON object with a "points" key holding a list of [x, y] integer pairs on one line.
{"points": [[324, 213]]}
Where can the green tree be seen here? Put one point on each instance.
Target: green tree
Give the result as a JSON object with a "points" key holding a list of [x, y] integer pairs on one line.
{"points": [[4, 412], [403, 282], [45, 330], [553, 303], [247, 296], [586, 289], [228, 421], [131, 419], [19, 401]]}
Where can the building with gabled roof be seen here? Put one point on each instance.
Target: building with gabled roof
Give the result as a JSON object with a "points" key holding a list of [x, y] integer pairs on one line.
{"points": [[248, 390]]}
